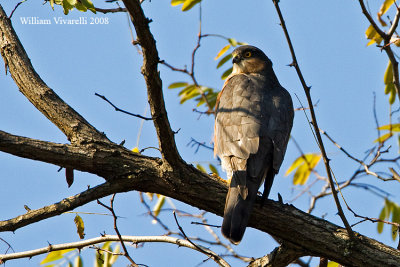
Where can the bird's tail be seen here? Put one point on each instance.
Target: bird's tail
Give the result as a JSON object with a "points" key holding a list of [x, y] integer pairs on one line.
{"points": [[238, 206]]}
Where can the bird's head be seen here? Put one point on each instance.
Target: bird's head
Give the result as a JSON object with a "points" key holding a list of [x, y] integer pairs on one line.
{"points": [[249, 59]]}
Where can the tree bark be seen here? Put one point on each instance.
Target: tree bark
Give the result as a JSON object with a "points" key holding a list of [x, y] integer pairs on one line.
{"points": [[123, 170]]}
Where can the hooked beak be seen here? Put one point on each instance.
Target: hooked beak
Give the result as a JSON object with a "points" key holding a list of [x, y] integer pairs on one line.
{"points": [[236, 59]]}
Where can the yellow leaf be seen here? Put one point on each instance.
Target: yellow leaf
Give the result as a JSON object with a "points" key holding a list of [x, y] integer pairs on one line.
{"points": [[189, 4], [304, 165], [177, 2], [385, 7], [158, 205], [80, 226], [301, 175], [333, 264], [383, 138], [115, 256], [222, 51], [391, 127], [389, 88], [55, 255], [373, 35], [213, 169], [370, 32]]}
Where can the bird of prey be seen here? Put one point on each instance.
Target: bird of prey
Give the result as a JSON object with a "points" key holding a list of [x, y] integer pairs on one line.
{"points": [[254, 117]]}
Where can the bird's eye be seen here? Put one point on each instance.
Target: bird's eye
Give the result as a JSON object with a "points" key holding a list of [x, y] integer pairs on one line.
{"points": [[247, 54]]}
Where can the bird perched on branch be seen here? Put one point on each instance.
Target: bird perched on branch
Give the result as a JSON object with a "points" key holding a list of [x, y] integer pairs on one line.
{"points": [[254, 117]]}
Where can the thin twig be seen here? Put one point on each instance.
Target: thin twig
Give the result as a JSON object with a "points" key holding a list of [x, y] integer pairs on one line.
{"points": [[211, 254], [15, 8], [111, 209], [314, 121], [121, 110], [111, 10]]}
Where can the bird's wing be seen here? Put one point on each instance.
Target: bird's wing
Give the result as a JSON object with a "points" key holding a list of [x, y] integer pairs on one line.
{"points": [[238, 119]]}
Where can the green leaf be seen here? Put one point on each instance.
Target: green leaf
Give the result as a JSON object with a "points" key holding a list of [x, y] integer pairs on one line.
{"points": [[395, 219], [79, 6], [55, 255], [189, 4], [224, 60], [187, 89], [71, 2], [201, 168], [80, 226], [384, 214], [213, 169], [177, 85], [89, 5], [158, 206], [222, 51], [392, 96], [66, 7], [388, 77], [189, 95], [52, 4], [78, 262], [177, 2], [226, 73]]}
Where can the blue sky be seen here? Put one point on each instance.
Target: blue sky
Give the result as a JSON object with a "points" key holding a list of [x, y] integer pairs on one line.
{"points": [[79, 60]]}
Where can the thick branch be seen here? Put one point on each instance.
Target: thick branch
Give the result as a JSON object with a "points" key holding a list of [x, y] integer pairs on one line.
{"points": [[151, 75], [73, 125], [134, 172], [280, 257], [105, 238]]}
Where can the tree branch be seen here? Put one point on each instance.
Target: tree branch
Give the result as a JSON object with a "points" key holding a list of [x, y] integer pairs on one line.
{"points": [[313, 120], [151, 75], [280, 257], [105, 238], [37, 92], [136, 172]]}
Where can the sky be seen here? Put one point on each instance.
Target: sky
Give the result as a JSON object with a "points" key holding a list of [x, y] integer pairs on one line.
{"points": [[77, 61]]}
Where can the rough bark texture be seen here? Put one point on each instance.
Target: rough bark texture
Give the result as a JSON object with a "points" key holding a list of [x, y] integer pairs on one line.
{"points": [[124, 170]]}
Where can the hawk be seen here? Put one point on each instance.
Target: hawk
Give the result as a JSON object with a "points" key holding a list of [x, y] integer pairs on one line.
{"points": [[254, 117]]}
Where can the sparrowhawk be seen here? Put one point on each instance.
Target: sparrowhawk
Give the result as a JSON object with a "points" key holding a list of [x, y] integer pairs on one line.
{"points": [[254, 117]]}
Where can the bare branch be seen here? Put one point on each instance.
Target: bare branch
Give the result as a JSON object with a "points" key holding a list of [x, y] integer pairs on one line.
{"points": [[38, 93], [110, 10], [111, 209], [313, 120], [102, 239], [211, 254], [121, 110], [280, 257], [151, 75]]}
